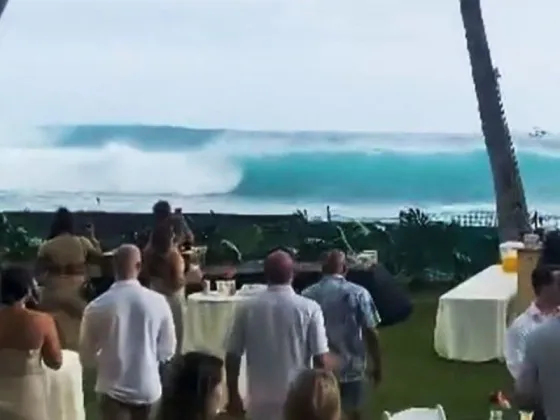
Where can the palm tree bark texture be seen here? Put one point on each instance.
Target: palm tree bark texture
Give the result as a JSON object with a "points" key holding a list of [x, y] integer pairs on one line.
{"points": [[511, 205], [3, 4]]}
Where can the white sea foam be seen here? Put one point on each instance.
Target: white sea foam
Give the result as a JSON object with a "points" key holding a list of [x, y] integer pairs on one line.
{"points": [[35, 169], [114, 168]]}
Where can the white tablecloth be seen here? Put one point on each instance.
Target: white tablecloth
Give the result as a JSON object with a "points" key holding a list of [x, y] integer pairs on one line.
{"points": [[66, 396], [472, 318], [208, 323]]}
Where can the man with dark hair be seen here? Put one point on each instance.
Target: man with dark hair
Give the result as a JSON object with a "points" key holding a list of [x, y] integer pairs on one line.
{"points": [[545, 284], [543, 307]]}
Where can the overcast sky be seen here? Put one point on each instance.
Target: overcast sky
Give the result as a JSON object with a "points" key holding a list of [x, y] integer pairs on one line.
{"points": [[386, 65]]}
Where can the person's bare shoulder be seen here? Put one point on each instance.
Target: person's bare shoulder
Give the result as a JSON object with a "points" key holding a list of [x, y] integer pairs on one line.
{"points": [[37, 314], [42, 318]]}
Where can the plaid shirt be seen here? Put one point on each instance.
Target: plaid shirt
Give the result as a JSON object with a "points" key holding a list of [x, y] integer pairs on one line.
{"points": [[347, 308]]}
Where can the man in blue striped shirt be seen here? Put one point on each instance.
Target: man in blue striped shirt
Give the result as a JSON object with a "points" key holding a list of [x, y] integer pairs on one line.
{"points": [[350, 320]]}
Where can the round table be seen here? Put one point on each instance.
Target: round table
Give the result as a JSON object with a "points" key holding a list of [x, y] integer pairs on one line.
{"points": [[208, 322]]}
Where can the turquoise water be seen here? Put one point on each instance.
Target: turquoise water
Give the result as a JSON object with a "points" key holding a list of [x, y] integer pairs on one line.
{"points": [[128, 167]]}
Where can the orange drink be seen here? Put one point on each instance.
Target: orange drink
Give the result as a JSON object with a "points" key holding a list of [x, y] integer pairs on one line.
{"points": [[508, 253], [509, 264]]}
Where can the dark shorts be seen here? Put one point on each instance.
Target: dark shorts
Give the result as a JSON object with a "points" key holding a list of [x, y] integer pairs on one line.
{"points": [[112, 409], [352, 395]]}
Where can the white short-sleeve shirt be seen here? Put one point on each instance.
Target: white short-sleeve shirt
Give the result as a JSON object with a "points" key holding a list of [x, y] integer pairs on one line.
{"points": [[127, 332], [516, 337], [280, 332]]}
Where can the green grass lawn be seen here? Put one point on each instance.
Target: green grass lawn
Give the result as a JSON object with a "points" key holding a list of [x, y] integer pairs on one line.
{"points": [[414, 375]]}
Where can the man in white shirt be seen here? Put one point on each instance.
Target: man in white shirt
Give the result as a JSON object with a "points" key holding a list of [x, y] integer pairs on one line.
{"points": [[127, 332], [281, 333], [544, 280], [544, 306]]}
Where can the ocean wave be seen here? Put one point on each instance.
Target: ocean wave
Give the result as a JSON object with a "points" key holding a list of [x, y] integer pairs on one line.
{"points": [[115, 168], [391, 177], [419, 169], [255, 143]]}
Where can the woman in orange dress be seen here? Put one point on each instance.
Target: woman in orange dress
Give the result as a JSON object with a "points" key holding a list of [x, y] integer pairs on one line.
{"points": [[28, 339], [62, 265]]}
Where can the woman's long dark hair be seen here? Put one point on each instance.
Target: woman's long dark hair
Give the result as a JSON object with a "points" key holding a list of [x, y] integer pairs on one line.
{"points": [[193, 381], [162, 239], [16, 283], [161, 211], [156, 263], [63, 222]]}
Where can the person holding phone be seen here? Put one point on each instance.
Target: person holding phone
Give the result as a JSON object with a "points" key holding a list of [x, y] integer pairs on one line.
{"points": [[62, 263], [90, 235], [183, 236], [350, 320], [183, 233]]}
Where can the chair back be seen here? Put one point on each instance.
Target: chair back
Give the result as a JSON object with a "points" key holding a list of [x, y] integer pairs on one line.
{"points": [[436, 413]]}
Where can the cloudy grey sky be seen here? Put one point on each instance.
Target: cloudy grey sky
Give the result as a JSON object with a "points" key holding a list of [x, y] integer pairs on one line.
{"points": [[395, 65]]}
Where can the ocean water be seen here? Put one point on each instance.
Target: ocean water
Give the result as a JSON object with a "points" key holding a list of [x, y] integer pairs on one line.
{"points": [[357, 174]]}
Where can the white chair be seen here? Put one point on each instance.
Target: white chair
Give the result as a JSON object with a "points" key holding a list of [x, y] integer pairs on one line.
{"points": [[436, 413]]}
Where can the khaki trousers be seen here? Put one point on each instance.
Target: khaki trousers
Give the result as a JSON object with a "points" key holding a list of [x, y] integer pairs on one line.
{"points": [[112, 409]]}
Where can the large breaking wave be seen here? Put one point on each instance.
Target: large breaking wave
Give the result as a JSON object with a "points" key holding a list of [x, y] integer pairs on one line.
{"points": [[352, 168]]}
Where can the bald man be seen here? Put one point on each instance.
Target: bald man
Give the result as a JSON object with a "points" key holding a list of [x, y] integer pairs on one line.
{"points": [[127, 332], [351, 320], [281, 333]]}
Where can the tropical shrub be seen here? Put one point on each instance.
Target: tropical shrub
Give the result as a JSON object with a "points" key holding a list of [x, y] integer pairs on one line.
{"points": [[415, 248]]}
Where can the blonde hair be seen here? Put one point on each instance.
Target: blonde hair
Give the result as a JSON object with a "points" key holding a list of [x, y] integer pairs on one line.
{"points": [[314, 395]]}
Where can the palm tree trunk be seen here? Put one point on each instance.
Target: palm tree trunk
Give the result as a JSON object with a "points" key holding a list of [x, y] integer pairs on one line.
{"points": [[3, 4], [511, 206]]}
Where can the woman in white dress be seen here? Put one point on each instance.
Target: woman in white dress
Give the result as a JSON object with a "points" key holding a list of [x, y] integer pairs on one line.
{"points": [[28, 342]]}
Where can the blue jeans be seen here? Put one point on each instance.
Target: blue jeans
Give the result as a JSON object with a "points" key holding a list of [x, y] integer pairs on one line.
{"points": [[352, 395]]}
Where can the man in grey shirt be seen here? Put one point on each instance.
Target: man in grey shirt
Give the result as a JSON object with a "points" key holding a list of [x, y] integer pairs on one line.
{"points": [[539, 379], [281, 333]]}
